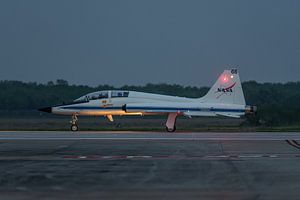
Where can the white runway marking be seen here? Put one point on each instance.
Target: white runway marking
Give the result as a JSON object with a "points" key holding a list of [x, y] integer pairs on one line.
{"points": [[224, 157]]}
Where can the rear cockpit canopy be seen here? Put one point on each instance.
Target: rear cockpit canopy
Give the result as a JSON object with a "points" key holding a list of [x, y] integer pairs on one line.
{"points": [[115, 94], [102, 95]]}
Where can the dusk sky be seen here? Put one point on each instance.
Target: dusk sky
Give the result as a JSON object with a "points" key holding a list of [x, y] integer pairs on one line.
{"points": [[187, 42]]}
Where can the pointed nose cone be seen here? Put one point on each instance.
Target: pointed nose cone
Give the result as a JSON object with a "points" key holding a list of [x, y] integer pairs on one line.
{"points": [[46, 109]]}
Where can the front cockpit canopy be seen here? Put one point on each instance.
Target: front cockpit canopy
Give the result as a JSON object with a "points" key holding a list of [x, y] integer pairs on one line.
{"points": [[102, 95]]}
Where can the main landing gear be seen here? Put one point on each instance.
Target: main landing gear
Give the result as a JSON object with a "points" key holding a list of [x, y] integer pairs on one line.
{"points": [[171, 121], [73, 122], [171, 129]]}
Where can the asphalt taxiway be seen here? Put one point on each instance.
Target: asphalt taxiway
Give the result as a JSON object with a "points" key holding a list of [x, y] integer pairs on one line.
{"points": [[149, 165]]}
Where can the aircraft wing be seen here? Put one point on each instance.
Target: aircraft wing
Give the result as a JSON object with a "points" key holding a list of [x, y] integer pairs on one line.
{"points": [[187, 109], [154, 107]]}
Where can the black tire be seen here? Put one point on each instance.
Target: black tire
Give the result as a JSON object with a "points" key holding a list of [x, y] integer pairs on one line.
{"points": [[74, 127], [171, 129]]}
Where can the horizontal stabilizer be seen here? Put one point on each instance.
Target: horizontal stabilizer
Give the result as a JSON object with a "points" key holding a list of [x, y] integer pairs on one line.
{"points": [[234, 115], [199, 113]]}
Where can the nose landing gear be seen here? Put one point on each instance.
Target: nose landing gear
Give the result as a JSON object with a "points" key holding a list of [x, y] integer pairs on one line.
{"points": [[73, 122]]}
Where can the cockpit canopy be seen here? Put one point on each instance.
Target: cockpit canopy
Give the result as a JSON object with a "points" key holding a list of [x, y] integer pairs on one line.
{"points": [[102, 95]]}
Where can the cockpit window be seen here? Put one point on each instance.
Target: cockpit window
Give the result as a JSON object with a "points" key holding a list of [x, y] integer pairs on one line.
{"points": [[119, 94], [102, 95], [82, 99], [93, 96], [98, 95]]}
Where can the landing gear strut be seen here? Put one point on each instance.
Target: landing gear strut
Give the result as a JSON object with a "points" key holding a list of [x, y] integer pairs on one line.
{"points": [[171, 121], [73, 122]]}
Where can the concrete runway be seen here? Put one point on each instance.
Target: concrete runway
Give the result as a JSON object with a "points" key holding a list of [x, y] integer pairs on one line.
{"points": [[145, 165]]}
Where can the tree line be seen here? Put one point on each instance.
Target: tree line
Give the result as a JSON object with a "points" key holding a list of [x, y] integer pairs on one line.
{"points": [[278, 103]]}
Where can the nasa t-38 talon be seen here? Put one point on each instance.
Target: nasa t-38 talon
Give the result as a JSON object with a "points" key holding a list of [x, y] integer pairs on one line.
{"points": [[225, 98]]}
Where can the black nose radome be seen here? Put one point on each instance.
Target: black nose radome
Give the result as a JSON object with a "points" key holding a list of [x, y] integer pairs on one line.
{"points": [[46, 109]]}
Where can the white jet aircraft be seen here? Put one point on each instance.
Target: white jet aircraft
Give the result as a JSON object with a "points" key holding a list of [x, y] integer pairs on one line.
{"points": [[225, 98]]}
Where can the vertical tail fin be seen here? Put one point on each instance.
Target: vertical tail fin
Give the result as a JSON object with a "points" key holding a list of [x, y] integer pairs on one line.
{"points": [[227, 89]]}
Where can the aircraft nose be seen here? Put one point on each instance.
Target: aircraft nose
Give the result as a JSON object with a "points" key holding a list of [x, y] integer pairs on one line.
{"points": [[46, 109]]}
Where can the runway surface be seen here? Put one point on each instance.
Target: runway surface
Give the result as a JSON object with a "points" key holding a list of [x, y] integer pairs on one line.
{"points": [[149, 165]]}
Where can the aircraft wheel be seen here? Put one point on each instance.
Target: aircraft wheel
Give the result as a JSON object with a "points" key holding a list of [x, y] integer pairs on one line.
{"points": [[74, 127], [171, 129]]}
